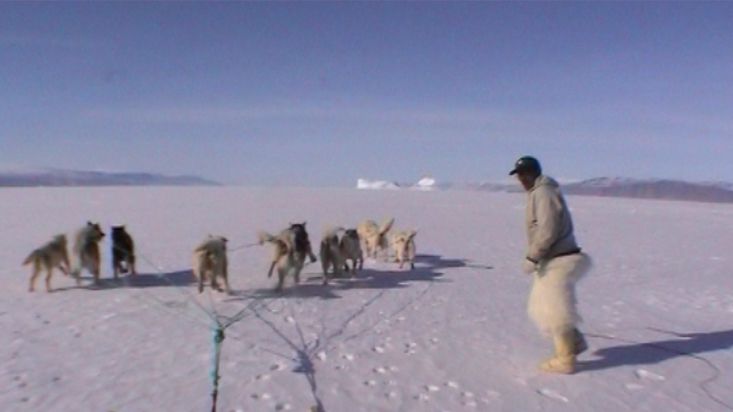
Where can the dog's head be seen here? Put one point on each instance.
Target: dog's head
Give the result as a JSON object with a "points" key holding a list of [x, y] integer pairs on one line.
{"points": [[219, 241], [95, 231], [299, 230], [351, 234], [118, 231], [60, 240], [298, 226], [212, 245], [216, 239]]}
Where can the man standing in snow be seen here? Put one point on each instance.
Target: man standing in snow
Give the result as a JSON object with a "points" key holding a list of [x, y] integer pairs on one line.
{"points": [[555, 262]]}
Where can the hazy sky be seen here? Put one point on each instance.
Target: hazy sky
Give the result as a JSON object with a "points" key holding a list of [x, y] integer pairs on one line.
{"points": [[323, 93]]}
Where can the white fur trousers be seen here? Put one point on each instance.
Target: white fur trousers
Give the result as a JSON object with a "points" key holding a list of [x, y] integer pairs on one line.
{"points": [[552, 302]]}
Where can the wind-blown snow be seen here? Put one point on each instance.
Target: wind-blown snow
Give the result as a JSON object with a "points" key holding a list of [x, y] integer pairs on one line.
{"points": [[451, 335]]}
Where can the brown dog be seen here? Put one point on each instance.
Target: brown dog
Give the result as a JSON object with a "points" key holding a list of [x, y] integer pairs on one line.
{"points": [[49, 256]]}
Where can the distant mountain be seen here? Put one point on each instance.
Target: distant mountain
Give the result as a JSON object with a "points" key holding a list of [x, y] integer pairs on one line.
{"points": [[59, 177], [653, 189], [496, 187], [718, 192]]}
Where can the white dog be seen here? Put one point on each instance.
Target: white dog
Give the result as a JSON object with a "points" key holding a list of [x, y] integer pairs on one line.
{"points": [[403, 245], [374, 237], [331, 256], [210, 263], [86, 251]]}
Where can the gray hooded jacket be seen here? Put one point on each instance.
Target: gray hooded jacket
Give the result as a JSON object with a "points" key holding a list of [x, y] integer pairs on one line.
{"points": [[549, 225]]}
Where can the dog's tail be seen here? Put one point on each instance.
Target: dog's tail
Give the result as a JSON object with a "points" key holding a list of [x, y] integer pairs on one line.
{"points": [[204, 247], [264, 237], [332, 231], [32, 258], [386, 227]]}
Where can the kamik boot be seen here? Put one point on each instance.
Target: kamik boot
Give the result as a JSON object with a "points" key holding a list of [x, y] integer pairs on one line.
{"points": [[564, 360]]}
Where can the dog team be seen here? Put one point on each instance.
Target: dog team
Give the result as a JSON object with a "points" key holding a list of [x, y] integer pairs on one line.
{"points": [[291, 249]]}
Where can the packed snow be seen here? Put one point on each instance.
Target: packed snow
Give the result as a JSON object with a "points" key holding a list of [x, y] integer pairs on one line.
{"points": [[450, 335]]}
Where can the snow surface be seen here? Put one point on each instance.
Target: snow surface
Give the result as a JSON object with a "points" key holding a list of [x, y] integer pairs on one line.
{"points": [[452, 335]]}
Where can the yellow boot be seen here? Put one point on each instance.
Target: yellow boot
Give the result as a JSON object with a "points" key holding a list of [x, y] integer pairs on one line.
{"points": [[564, 360]]}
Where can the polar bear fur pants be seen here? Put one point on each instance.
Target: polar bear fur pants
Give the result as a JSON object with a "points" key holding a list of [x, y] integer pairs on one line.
{"points": [[552, 302]]}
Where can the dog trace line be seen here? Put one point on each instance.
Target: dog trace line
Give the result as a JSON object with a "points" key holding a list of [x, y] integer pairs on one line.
{"points": [[218, 327], [220, 323], [245, 246], [184, 292], [158, 272]]}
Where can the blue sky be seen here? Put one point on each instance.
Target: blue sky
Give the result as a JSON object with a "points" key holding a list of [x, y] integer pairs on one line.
{"points": [[319, 94]]}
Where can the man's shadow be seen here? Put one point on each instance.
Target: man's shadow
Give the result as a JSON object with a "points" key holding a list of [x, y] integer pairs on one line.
{"points": [[686, 344]]}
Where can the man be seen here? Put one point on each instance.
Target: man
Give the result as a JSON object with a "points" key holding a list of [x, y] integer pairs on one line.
{"points": [[556, 263]]}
